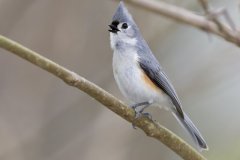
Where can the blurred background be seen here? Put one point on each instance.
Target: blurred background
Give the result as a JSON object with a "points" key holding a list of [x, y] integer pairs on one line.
{"points": [[43, 118]]}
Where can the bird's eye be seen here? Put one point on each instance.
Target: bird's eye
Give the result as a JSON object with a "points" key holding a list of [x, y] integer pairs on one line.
{"points": [[124, 25]]}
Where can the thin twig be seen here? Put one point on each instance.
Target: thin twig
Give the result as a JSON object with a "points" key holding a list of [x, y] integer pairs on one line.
{"points": [[205, 5], [150, 128], [186, 17], [214, 15], [229, 19]]}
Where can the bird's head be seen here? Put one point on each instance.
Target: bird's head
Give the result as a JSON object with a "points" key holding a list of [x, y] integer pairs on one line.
{"points": [[123, 30]]}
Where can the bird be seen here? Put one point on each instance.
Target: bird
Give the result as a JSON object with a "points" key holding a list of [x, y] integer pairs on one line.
{"points": [[139, 75]]}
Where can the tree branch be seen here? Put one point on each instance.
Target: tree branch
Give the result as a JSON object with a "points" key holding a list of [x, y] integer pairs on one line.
{"points": [[150, 128], [186, 17], [213, 15]]}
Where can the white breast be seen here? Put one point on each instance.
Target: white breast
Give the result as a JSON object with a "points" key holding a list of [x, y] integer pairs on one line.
{"points": [[128, 76]]}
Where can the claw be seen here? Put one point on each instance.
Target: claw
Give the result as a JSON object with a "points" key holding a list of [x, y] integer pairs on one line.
{"points": [[134, 127], [139, 114], [148, 115]]}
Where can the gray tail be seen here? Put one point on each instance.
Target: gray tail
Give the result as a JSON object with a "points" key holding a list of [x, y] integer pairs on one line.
{"points": [[192, 130]]}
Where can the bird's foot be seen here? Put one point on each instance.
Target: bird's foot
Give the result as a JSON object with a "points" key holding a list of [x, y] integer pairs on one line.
{"points": [[139, 114]]}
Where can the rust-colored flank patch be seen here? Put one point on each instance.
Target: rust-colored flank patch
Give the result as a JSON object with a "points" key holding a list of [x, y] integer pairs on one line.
{"points": [[149, 82]]}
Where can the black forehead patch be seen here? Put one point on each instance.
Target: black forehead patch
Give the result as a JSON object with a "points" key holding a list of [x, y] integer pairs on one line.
{"points": [[115, 23]]}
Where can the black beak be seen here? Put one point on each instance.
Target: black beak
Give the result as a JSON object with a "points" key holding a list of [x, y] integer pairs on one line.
{"points": [[113, 28]]}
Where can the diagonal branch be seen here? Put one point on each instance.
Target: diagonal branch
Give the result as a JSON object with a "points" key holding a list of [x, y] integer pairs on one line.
{"points": [[150, 128], [186, 17]]}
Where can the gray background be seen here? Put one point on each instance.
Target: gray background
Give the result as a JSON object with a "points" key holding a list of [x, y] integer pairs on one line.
{"points": [[42, 118]]}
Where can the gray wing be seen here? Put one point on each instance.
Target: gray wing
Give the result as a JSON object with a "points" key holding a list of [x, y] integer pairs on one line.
{"points": [[160, 79]]}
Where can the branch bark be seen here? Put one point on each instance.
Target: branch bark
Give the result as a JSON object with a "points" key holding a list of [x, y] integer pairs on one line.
{"points": [[184, 16], [150, 128]]}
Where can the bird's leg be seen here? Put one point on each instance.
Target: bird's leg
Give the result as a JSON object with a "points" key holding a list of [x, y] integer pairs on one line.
{"points": [[146, 114], [137, 105], [145, 105], [140, 104]]}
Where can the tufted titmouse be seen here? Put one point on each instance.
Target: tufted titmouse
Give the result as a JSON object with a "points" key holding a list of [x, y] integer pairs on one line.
{"points": [[139, 75]]}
